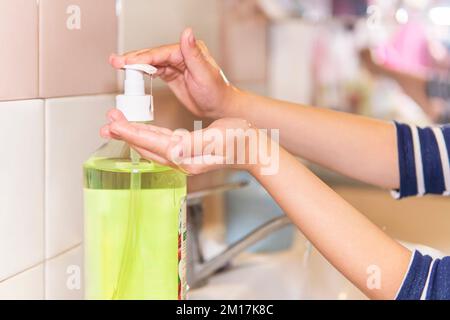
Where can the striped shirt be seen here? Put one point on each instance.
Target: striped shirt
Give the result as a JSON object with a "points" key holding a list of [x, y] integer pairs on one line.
{"points": [[424, 155]]}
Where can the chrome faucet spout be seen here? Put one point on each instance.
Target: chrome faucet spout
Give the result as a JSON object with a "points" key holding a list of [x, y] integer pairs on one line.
{"points": [[208, 268]]}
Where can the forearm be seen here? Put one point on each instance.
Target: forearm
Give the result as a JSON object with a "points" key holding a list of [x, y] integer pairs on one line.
{"points": [[343, 235], [359, 147]]}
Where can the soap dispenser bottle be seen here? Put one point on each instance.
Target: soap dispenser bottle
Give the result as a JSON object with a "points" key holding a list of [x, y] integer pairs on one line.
{"points": [[135, 214]]}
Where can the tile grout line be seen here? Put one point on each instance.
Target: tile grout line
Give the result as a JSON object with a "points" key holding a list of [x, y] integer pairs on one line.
{"points": [[39, 97], [64, 251], [44, 237], [44, 273], [22, 271], [43, 262]]}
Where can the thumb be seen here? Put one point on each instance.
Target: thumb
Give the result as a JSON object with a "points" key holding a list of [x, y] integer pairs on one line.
{"points": [[193, 56]]}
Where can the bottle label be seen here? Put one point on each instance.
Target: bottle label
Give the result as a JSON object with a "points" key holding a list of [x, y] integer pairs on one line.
{"points": [[182, 235]]}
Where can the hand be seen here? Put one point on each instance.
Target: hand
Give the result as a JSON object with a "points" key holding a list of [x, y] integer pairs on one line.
{"points": [[190, 72], [226, 142]]}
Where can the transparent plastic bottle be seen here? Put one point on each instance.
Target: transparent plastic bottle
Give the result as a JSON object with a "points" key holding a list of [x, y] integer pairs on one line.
{"points": [[135, 214], [134, 227]]}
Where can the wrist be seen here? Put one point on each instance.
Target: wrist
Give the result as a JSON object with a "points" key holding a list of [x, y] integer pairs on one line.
{"points": [[254, 170], [266, 154], [229, 106]]}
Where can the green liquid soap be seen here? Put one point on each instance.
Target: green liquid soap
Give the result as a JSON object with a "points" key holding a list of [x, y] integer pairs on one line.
{"points": [[134, 229]]}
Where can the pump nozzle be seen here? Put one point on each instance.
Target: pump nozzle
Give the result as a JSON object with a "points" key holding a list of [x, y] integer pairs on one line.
{"points": [[145, 68], [134, 103]]}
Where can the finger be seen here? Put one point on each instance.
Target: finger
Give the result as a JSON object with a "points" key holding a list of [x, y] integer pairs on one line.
{"points": [[205, 142], [134, 53], [202, 164], [119, 61], [116, 61], [115, 115], [203, 160], [157, 129], [169, 55], [106, 133], [169, 73], [151, 127], [137, 135], [152, 156], [193, 56], [208, 141]]}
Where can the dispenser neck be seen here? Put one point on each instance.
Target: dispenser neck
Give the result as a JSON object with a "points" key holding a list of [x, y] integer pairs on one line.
{"points": [[134, 84], [134, 103]]}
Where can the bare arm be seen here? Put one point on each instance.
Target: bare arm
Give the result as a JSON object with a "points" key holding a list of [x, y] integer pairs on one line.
{"points": [[356, 146], [343, 235], [348, 240]]}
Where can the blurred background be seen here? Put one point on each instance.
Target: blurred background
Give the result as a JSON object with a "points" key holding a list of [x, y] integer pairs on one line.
{"points": [[379, 58]]}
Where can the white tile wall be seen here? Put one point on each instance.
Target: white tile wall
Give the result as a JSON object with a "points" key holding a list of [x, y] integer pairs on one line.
{"points": [[148, 23], [28, 285], [72, 135], [151, 23], [41, 207], [46, 142], [21, 186], [76, 38], [19, 49], [64, 276]]}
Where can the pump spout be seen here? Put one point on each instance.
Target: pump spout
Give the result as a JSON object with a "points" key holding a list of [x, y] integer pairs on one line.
{"points": [[134, 78], [145, 68], [134, 103]]}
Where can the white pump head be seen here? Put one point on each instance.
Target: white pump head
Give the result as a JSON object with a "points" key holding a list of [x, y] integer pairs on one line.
{"points": [[134, 78], [134, 103]]}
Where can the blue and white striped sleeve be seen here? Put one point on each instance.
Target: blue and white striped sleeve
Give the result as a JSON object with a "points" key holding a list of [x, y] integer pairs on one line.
{"points": [[426, 279], [423, 155]]}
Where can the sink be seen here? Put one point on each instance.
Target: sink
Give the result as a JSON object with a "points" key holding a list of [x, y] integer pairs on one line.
{"points": [[297, 273], [300, 273]]}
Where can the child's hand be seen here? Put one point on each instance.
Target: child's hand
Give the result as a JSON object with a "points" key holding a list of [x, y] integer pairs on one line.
{"points": [[190, 71], [224, 143]]}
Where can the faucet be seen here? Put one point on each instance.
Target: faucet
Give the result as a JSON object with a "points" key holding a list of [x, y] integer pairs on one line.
{"points": [[197, 268]]}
